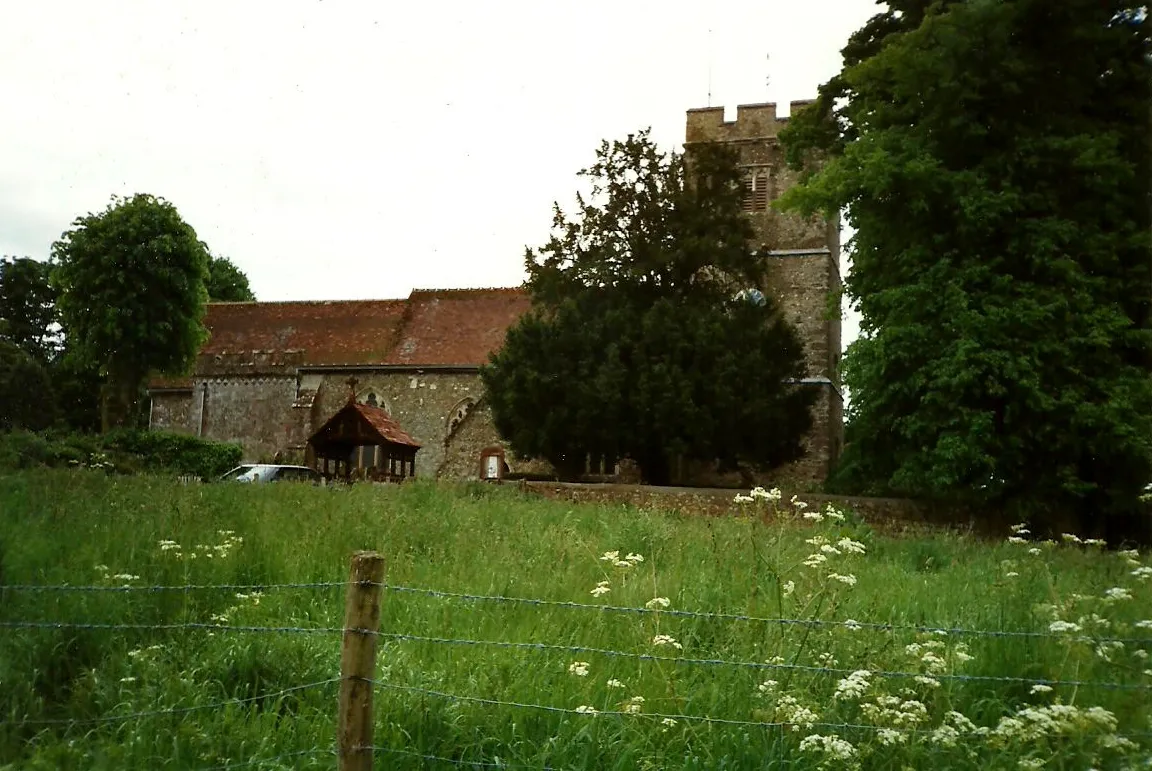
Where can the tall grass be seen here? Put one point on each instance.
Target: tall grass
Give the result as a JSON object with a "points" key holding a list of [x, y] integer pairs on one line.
{"points": [[84, 528]]}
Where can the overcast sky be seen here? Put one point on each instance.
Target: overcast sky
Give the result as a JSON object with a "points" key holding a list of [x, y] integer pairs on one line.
{"points": [[345, 149]]}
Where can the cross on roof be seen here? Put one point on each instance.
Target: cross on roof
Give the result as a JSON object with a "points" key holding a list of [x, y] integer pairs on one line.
{"points": [[352, 381]]}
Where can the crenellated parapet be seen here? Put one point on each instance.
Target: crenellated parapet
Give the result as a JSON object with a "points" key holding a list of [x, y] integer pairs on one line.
{"points": [[753, 122]]}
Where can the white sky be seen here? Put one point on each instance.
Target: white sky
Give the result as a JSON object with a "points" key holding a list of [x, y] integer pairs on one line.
{"points": [[345, 149]]}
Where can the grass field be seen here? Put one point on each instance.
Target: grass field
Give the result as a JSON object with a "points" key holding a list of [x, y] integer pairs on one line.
{"points": [[627, 690]]}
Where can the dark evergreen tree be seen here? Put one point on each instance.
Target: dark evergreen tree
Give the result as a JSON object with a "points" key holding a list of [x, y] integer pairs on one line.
{"points": [[640, 343]]}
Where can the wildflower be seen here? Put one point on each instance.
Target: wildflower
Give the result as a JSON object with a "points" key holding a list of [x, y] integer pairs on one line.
{"points": [[622, 564], [1142, 573], [658, 603], [584, 709], [767, 686], [888, 737], [610, 556], [829, 549], [1034, 551], [1041, 688], [1063, 626], [1140, 653], [789, 587], [578, 668], [169, 546], [833, 514], [1117, 593], [668, 722], [663, 639], [102, 568], [850, 546], [797, 503], [931, 682], [127, 679], [813, 516], [1070, 538], [1145, 624], [852, 624], [794, 712], [844, 579], [135, 653], [775, 660], [614, 683], [634, 558], [1011, 574], [1016, 539], [1020, 529], [1105, 649], [815, 560], [853, 686], [772, 495], [633, 706], [831, 745], [740, 498], [125, 577], [827, 659], [961, 654], [601, 589], [1095, 542]]}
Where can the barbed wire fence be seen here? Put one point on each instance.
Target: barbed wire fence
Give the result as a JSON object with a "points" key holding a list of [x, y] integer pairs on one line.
{"points": [[354, 749]]}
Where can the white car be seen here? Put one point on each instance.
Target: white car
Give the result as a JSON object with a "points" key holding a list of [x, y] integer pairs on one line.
{"points": [[271, 472]]}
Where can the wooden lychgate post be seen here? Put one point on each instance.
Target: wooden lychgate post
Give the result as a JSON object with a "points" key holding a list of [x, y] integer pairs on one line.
{"points": [[358, 661]]}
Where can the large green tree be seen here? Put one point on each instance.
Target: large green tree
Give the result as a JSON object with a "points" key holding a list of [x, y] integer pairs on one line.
{"points": [[131, 283], [993, 158], [226, 282], [651, 336], [28, 316]]}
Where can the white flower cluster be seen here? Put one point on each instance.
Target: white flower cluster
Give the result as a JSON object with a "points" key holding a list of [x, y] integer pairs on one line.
{"points": [[832, 746], [826, 549], [888, 710], [630, 560], [760, 494], [853, 687], [601, 589], [1031, 724], [658, 603], [789, 710], [578, 668], [663, 639], [633, 706]]}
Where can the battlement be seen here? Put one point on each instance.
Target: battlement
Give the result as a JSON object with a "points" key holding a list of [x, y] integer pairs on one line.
{"points": [[753, 121]]}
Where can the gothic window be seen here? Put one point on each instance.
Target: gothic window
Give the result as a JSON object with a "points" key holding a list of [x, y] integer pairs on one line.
{"points": [[371, 400], [756, 189]]}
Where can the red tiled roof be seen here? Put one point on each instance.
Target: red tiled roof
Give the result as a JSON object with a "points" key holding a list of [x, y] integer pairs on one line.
{"points": [[320, 332], [432, 327], [444, 326], [379, 421], [388, 428]]}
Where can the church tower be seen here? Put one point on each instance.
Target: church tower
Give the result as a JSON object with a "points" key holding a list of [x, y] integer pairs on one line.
{"points": [[803, 265]]}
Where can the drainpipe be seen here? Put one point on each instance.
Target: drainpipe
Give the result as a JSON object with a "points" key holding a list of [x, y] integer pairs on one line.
{"points": [[203, 406]]}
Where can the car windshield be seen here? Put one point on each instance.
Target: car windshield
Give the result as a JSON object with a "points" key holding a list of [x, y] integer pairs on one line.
{"points": [[242, 473]]}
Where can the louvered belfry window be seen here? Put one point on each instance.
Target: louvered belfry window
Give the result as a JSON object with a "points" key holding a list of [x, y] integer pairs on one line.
{"points": [[756, 190]]}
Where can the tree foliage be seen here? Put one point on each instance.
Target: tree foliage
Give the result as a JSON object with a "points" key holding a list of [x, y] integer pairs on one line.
{"points": [[226, 282], [639, 344], [993, 158], [26, 398], [131, 283], [28, 316]]}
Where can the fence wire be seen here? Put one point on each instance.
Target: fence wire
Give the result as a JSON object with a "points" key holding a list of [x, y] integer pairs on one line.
{"points": [[127, 588], [583, 649], [452, 761], [533, 602], [170, 711], [274, 759], [675, 717], [877, 626]]}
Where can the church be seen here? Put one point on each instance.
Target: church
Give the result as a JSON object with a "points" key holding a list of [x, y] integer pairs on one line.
{"points": [[272, 374]]}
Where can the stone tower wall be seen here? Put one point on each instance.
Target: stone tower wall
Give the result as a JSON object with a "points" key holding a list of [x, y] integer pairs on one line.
{"points": [[803, 264]]}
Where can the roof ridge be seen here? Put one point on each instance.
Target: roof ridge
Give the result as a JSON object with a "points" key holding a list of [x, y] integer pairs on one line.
{"points": [[308, 302], [463, 290]]}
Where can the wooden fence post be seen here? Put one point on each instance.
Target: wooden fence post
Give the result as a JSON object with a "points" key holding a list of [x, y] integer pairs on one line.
{"points": [[358, 661]]}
